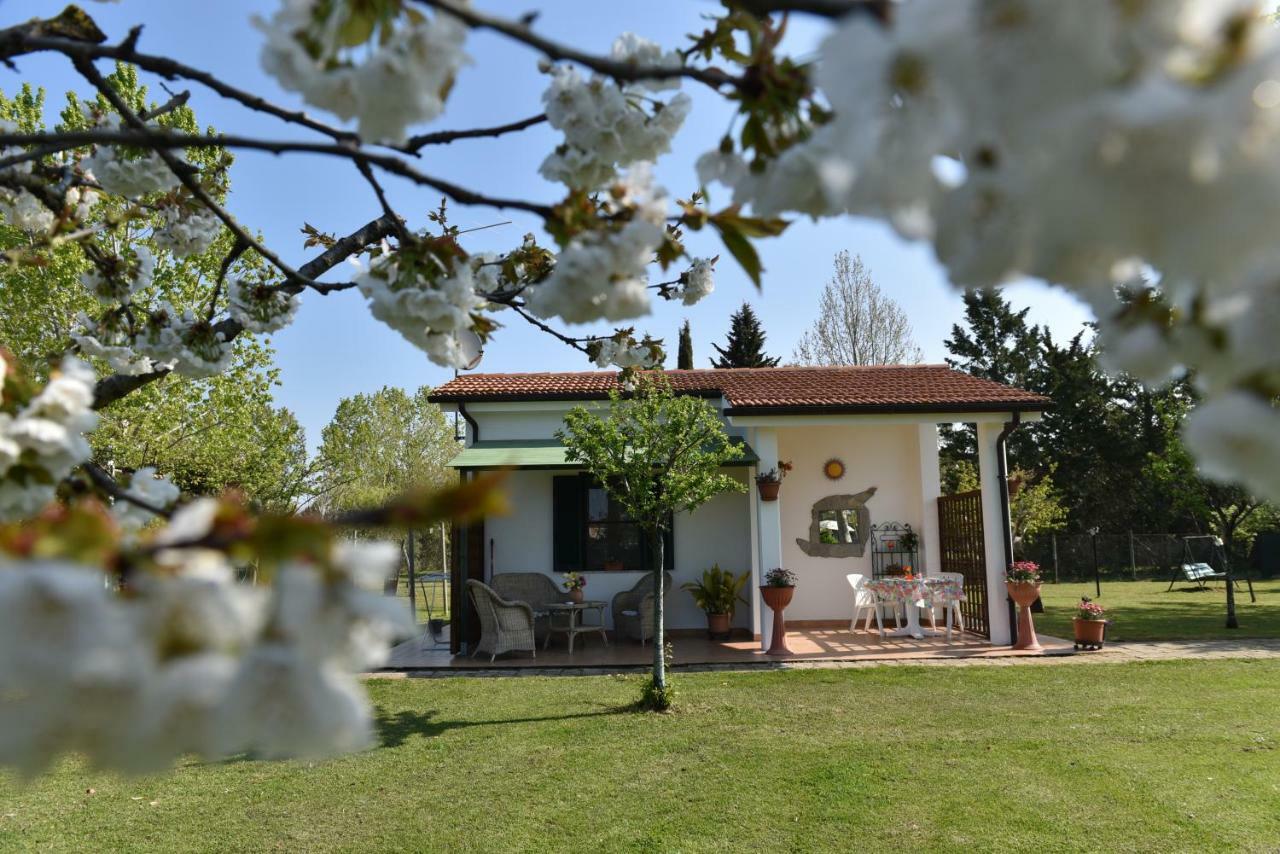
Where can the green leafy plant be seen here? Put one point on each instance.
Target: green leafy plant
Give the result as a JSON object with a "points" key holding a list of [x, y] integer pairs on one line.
{"points": [[718, 591], [779, 577]]}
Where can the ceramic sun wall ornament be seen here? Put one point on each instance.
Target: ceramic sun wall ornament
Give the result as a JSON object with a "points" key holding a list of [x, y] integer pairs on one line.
{"points": [[838, 526]]}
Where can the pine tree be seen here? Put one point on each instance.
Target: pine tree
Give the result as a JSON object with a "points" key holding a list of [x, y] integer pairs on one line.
{"points": [[745, 346], [684, 359]]}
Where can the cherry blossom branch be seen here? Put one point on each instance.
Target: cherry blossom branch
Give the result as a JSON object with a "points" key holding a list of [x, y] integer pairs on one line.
{"points": [[572, 342], [113, 388], [163, 140], [878, 9], [444, 137], [108, 484], [182, 170], [617, 69]]}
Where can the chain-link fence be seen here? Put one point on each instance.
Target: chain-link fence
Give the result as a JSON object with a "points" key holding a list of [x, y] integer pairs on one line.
{"points": [[1127, 556]]}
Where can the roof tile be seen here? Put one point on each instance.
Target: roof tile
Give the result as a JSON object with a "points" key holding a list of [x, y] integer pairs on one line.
{"points": [[866, 388]]}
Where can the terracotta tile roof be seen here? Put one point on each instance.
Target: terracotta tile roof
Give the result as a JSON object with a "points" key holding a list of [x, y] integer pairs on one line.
{"points": [[888, 388]]}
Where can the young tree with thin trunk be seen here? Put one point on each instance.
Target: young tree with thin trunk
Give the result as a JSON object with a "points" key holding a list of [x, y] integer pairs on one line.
{"points": [[857, 324], [657, 454]]}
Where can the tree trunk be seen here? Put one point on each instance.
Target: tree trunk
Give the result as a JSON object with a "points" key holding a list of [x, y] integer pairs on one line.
{"points": [[659, 639]]}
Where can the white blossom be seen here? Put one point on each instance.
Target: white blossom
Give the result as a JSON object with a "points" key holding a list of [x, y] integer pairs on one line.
{"points": [[259, 307], [434, 315], [187, 231], [110, 341], [607, 126], [22, 210], [698, 281], [150, 488], [193, 346], [47, 437], [388, 85], [602, 274], [130, 175], [623, 351], [116, 279], [1233, 438]]}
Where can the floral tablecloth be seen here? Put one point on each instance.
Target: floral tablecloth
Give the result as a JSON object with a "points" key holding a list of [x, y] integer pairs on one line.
{"points": [[930, 591]]}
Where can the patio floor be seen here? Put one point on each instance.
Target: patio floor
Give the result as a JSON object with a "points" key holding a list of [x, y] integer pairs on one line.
{"points": [[805, 644]]}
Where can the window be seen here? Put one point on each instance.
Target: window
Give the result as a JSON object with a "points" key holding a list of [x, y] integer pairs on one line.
{"points": [[613, 541], [592, 533]]}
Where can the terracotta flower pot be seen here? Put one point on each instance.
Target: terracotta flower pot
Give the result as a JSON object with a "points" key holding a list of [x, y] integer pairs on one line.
{"points": [[1089, 633], [1024, 593], [575, 595], [778, 598], [718, 625], [769, 489]]}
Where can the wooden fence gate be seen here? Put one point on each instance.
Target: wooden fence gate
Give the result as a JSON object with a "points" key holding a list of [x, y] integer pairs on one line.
{"points": [[964, 551]]}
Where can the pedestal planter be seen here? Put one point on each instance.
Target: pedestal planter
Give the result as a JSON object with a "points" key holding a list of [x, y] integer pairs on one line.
{"points": [[1024, 593], [718, 626], [769, 489], [778, 598], [1090, 634]]}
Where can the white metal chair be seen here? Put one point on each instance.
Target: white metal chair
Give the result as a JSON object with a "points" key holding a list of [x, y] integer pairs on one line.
{"points": [[864, 601], [952, 608]]}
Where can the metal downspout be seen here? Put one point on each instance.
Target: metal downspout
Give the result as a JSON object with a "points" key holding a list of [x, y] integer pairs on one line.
{"points": [[466, 416], [1006, 527]]}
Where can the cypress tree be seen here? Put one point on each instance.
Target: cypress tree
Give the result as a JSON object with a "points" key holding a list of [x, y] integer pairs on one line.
{"points": [[684, 359], [745, 346]]}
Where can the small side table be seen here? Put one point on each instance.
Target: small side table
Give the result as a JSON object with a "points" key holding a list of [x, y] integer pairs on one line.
{"points": [[572, 624]]}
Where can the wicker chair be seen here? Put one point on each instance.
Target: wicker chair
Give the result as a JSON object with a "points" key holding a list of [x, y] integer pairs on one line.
{"points": [[533, 588], [504, 625], [633, 609]]}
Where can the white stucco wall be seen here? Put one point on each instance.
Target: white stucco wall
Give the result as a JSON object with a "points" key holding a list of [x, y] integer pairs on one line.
{"points": [[885, 456], [719, 531]]}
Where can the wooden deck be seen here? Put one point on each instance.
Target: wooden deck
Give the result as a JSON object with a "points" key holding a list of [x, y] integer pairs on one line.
{"points": [[690, 651]]}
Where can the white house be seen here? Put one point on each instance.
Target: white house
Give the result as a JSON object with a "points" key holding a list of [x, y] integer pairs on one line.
{"points": [[877, 426]]}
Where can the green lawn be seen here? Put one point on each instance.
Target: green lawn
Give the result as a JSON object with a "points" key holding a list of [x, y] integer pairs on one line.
{"points": [[1161, 756], [1148, 610]]}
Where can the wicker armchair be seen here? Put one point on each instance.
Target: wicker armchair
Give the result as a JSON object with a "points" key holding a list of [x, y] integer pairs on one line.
{"points": [[533, 588], [633, 609], [504, 625]]}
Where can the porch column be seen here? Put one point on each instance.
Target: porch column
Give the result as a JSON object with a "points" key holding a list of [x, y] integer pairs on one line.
{"points": [[993, 537], [769, 524], [753, 498], [930, 490]]}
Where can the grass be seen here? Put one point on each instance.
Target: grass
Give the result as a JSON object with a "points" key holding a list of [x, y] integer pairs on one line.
{"points": [[1148, 610], [438, 594], [1077, 757]]}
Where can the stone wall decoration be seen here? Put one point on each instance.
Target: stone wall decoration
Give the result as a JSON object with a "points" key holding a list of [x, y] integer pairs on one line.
{"points": [[833, 468], [839, 526]]}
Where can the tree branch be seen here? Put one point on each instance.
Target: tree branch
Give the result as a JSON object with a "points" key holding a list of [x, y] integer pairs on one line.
{"points": [[444, 137], [108, 484], [161, 141], [113, 388], [881, 10], [617, 69]]}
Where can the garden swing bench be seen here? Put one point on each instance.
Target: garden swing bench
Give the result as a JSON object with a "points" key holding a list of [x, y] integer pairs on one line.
{"points": [[1201, 573]]}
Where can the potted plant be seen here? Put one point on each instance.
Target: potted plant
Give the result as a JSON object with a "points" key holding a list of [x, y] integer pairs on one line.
{"points": [[718, 593], [1023, 580], [908, 542], [573, 584], [770, 483], [1090, 624], [778, 588]]}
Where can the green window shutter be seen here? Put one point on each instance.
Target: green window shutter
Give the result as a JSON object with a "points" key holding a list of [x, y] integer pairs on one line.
{"points": [[567, 523]]}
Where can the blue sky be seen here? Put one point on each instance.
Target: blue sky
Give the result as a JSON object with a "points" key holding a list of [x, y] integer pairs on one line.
{"points": [[335, 349]]}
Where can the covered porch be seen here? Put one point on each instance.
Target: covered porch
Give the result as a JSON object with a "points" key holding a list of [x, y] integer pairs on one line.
{"points": [[695, 650]]}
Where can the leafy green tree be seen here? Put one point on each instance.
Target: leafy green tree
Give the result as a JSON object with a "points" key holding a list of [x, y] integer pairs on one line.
{"points": [[997, 344], [745, 345], [657, 453], [380, 445], [208, 435], [684, 358]]}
